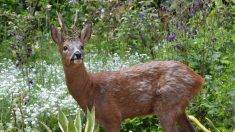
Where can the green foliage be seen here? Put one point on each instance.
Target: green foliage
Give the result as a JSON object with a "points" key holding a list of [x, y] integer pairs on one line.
{"points": [[212, 125], [63, 121], [145, 124], [90, 125], [198, 123], [47, 128], [77, 123], [68, 125], [197, 33]]}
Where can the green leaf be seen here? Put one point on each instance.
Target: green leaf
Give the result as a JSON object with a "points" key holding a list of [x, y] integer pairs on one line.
{"points": [[71, 127], [226, 62], [63, 121], [212, 124], [77, 122], [46, 127], [198, 123], [90, 124], [97, 128], [36, 130]]}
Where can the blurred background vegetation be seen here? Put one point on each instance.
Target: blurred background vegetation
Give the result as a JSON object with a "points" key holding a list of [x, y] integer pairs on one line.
{"points": [[199, 33]]}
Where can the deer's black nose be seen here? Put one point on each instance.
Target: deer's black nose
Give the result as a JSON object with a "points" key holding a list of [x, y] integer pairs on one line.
{"points": [[77, 55]]}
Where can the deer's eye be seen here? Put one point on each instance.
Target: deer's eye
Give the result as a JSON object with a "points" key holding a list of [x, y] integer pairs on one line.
{"points": [[82, 47], [65, 48]]}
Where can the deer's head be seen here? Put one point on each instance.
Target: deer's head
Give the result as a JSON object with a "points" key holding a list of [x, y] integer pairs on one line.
{"points": [[71, 48]]}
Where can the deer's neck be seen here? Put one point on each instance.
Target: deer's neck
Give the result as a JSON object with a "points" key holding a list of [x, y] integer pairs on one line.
{"points": [[80, 85]]}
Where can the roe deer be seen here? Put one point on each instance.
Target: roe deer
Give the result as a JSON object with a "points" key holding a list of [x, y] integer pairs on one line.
{"points": [[163, 88]]}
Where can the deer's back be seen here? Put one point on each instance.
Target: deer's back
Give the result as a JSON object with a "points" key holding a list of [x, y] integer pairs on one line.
{"points": [[135, 90]]}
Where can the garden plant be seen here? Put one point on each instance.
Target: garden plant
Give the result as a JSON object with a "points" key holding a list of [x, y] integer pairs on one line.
{"points": [[198, 33]]}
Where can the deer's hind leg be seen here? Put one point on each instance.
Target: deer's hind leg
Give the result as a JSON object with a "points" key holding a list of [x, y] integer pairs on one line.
{"points": [[168, 108], [168, 122], [184, 123], [111, 127], [168, 116]]}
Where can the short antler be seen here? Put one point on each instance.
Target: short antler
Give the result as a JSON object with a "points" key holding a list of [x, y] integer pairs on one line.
{"points": [[74, 27], [62, 25]]}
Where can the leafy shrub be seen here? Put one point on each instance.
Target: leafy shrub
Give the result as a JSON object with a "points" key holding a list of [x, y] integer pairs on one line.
{"points": [[197, 33]]}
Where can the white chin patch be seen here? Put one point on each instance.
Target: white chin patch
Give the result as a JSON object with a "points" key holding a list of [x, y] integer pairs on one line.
{"points": [[77, 61]]}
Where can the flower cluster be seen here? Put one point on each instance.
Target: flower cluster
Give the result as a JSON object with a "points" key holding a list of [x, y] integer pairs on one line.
{"points": [[172, 36], [73, 1], [38, 99]]}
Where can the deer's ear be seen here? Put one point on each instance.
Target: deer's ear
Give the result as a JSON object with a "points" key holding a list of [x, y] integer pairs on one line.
{"points": [[86, 33], [56, 36]]}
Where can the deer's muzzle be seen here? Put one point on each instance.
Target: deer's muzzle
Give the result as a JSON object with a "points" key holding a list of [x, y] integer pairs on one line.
{"points": [[76, 56]]}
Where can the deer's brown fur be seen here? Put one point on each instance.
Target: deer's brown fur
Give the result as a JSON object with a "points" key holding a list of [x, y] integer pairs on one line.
{"points": [[163, 88]]}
